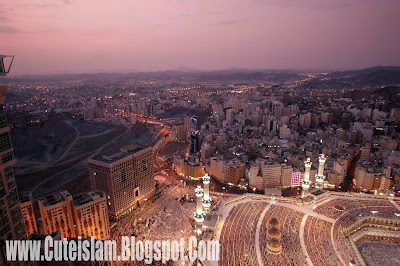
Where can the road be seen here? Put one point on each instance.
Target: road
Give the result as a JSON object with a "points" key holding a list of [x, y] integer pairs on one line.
{"points": [[88, 155], [347, 185]]}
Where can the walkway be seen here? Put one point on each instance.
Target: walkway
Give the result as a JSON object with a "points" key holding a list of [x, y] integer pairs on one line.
{"points": [[395, 204], [257, 238], [303, 244]]}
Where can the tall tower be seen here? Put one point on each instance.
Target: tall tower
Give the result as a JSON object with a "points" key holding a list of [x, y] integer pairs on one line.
{"points": [[206, 197], [194, 142], [199, 214], [319, 177], [306, 182], [12, 223], [230, 116]]}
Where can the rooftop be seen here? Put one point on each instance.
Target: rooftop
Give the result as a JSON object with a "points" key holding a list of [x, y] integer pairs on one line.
{"points": [[86, 197], [55, 198], [117, 155]]}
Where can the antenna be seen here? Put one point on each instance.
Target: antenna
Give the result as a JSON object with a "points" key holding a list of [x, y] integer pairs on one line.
{"points": [[4, 69]]}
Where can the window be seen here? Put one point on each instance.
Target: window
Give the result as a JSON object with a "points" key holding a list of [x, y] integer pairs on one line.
{"points": [[123, 176], [2, 191], [3, 120], [9, 176], [16, 214], [12, 198], [7, 157], [5, 142]]}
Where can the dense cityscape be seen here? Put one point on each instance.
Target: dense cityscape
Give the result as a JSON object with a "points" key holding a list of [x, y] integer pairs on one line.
{"points": [[199, 132], [309, 150]]}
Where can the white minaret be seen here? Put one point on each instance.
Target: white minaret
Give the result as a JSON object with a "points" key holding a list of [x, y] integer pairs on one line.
{"points": [[199, 214], [206, 197], [306, 182], [319, 177]]}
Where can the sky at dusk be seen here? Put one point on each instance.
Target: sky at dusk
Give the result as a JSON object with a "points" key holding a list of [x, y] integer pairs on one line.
{"points": [[74, 36]]}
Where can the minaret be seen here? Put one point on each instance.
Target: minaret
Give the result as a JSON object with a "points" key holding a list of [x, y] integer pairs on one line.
{"points": [[206, 197], [319, 177], [306, 182], [199, 214]]}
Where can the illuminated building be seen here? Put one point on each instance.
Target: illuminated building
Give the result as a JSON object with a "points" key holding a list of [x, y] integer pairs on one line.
{"points": [[56, 213], [90, 215], [271, 175], [28, 214], [230, 171], [83, 215], [127, 178], [190, 167]]}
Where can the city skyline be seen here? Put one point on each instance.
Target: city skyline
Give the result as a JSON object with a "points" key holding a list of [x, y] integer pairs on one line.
{"points": [[259, 132], [53, 37]]}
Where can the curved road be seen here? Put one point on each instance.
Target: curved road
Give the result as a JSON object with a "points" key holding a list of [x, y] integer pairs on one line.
{"points": [[91, 154]]}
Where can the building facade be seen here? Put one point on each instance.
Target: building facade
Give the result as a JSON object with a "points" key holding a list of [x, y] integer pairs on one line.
{"points": [[127, 178], [28, 214], [11, 220], [84, 215]]}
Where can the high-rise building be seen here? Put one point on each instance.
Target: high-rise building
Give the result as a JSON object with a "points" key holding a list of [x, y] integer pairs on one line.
{"points": [[190, 167], [271, 175], [230, 171], [11, 220], [28, 213], [127, 177], [91, 215], [286, 175], [84, 215], [194, 142], [255, 178], [233, 171], [230, 116], [56, 213]]}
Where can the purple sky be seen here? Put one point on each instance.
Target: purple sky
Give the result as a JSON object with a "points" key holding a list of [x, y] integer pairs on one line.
{"points": [[64, 36]]}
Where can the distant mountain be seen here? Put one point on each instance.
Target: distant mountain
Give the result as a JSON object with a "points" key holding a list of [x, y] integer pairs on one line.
{"points": [[71, 76], [378, 75], [373, 76], [375, 69], [382, 76], [186, 69], [389, 93]]}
